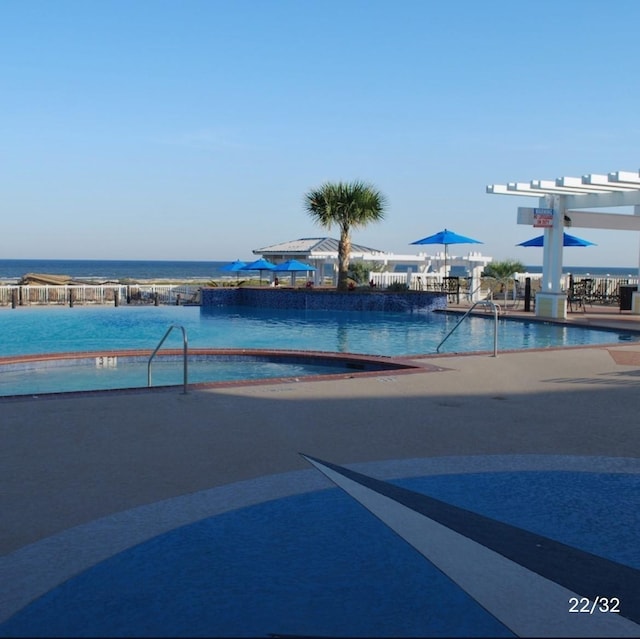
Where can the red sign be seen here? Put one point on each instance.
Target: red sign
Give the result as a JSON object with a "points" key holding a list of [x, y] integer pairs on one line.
{"points": [[542, 218]]}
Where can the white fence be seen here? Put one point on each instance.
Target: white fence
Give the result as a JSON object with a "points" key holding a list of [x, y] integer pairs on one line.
{"points": [[15, 295], [601, 289], [421, 282]]}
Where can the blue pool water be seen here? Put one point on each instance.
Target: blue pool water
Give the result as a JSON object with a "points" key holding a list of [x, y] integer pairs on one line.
{"points": [[60, 329]]}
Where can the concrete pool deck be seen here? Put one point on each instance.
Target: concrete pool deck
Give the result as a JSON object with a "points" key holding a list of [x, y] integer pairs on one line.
{"points": [[86, 478], [593, 315]]}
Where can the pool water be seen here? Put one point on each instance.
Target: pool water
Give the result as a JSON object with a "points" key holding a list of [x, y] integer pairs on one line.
{"points": [[62, 329], [80, 375]]}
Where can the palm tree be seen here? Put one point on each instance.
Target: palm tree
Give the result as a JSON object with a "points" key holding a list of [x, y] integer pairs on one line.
{"points": [[349, 205], [503, 271]]}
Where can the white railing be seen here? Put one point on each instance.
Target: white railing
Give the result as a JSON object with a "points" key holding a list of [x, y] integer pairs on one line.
{"points": [[602, 289], [99, 294], [601, 281], [433, 281], [605, 289], [382, 280], [421, 282]]}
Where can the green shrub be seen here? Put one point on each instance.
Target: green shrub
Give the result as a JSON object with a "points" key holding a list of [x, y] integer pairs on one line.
{"points": [[397, 287]]}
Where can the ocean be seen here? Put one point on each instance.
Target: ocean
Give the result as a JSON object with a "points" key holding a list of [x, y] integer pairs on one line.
{"points": [[158, 270], [115, 270]]}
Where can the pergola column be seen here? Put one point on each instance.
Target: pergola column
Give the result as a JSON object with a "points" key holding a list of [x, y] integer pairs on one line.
{"points": [[635, 297], [552, 300]]}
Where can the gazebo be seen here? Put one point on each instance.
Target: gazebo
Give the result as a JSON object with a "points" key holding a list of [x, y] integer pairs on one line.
{"points": [[323, 251], [317, 251]]}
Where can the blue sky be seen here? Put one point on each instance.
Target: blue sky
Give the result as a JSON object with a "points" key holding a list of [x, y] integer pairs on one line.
{"points": [[191, 129]]}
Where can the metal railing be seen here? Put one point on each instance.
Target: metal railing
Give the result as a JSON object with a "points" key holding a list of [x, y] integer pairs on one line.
{"points": [[495, 308], [184, 356], [27, 295]]}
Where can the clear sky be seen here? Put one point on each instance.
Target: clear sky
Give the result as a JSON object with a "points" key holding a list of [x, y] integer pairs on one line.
{"points": [[191, 129]]}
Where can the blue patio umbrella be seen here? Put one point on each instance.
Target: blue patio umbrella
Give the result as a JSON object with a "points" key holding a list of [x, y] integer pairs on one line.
{"points": [[260, 265], [445, 238], [567, 240], [238, 265], [234, 267], [293, 266]]}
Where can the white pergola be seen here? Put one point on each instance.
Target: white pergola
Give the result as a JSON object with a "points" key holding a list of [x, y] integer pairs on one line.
{"points": [[561, 203]]}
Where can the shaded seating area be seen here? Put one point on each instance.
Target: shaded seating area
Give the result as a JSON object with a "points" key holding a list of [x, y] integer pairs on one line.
{"points": [[599, 290]]}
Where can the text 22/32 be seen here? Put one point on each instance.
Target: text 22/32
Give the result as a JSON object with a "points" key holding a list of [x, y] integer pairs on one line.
{"points": [[598, 604]]}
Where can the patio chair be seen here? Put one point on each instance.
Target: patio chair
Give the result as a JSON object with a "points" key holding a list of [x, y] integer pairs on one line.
{"points": [[451, 286], [589, 290], [576, 296]]}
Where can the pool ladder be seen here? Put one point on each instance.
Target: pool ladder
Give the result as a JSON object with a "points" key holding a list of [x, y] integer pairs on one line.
{"points": [[492, 305], [184, 356]]}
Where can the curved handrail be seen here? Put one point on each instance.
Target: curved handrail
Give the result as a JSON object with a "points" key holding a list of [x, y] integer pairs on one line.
{"points": [[494, 306], [184, 355]]}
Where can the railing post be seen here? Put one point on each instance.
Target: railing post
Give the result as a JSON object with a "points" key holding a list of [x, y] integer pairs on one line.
{"points": [[494, 306], [495, 330], [184, 355]]}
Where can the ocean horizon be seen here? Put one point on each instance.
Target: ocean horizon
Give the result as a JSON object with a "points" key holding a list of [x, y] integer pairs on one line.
{"points": [[12, 270], [115, 270]]}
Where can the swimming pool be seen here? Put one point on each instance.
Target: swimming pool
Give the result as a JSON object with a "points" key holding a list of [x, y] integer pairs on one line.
{"points": [[92, 333], [63, 329]]}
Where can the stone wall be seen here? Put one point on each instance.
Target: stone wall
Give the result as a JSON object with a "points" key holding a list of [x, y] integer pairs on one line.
{"points": [[326, 300]]}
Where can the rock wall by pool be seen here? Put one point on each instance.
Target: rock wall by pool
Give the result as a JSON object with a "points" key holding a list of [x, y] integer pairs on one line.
{"points": [[329, 300]]}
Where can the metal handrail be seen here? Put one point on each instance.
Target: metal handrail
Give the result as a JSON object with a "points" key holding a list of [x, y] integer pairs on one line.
{"points": [[495, 307], [184, 355]]}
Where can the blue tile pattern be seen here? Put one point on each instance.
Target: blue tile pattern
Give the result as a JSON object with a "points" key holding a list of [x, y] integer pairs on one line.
{"points": [[330, 300], [318, 564]]}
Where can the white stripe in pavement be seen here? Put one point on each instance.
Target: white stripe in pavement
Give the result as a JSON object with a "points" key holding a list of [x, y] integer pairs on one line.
{"points": [[527, 603]]}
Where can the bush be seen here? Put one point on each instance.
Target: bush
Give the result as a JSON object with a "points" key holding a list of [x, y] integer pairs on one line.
{"points": [[397, 287]]}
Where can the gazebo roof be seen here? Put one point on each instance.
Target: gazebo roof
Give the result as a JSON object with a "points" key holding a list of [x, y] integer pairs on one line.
{"points": [[311, 246]]}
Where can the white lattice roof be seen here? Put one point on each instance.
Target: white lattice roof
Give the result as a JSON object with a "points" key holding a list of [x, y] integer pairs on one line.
{"points": [[618, 182]]}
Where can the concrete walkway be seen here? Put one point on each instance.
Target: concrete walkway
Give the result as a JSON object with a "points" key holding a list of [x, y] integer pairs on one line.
{"points": [[88, 477]]}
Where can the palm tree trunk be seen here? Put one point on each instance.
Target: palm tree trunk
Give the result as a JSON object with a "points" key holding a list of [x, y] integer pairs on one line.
{"points": [[344, 249]]}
